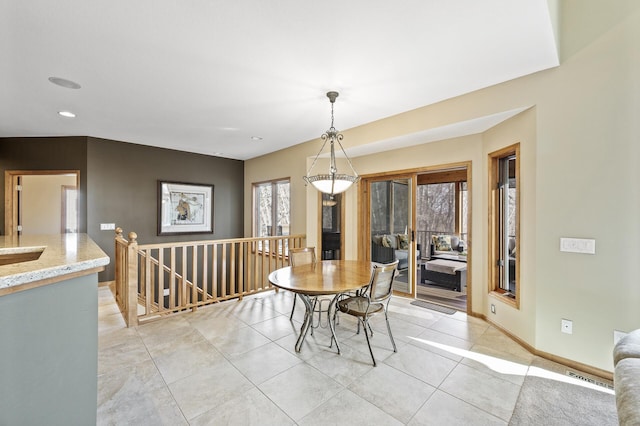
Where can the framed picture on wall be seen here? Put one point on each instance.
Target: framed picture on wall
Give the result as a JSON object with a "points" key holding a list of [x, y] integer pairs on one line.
{"points": [[184, 208]]}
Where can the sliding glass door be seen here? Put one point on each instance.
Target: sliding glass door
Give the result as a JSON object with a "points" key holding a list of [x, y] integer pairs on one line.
{"points": [[390, 203]]}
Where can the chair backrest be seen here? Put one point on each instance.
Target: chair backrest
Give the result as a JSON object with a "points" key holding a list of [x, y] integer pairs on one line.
{"points": [[302, 256], [381, 281]]}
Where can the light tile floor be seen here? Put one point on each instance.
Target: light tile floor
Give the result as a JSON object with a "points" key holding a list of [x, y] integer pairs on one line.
{"points": [[235, 363]]}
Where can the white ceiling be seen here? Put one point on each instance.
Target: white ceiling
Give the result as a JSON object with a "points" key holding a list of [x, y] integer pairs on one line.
{"points": [[205, 76]]}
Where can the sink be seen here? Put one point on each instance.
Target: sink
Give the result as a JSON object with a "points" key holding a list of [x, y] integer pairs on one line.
{"points": [[19, 254]]}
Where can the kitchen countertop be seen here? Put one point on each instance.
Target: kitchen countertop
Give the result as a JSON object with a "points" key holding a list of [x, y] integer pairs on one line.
{"points": [[64, 256]]}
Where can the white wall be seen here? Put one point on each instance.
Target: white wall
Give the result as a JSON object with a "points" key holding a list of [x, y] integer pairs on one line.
{"points": [[580, 174]]}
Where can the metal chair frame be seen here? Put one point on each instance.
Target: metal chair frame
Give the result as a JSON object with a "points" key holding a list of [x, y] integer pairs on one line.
{"points": [[300, 256], [371, 300]]}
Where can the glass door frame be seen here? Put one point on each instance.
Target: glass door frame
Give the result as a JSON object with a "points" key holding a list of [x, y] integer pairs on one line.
{"points": [[365, 222]]}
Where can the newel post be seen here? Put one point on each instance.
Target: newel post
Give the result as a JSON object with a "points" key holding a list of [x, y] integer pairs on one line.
{"points": [[131, 315]]}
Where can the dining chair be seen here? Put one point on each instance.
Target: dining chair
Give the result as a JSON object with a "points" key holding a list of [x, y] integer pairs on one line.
{"points": [[373, 299], [300, 256]]}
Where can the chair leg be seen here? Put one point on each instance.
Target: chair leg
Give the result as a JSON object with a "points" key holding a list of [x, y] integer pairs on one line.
{"points": [[295, 297], [313, 311], [332, 322], [393, 342], [364, 325], [335, 314]]}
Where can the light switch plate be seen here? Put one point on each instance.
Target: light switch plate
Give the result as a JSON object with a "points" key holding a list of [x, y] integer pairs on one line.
{"points": [[107, 226], [578, 245]]}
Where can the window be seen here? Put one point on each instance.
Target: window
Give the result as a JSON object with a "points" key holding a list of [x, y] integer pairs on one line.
{"points": [[389, 207], [505, 226], [442, 207], [462, 210], [271, 208], [438, 211]]}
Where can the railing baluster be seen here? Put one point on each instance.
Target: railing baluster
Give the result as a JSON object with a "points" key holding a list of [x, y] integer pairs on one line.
{"points": [[182, 290], [232, 270], [147, 282], [214, 272], [152, 296], [242, 276], [160, 299], [263, 263], [194, 278], [205, 270], [172, 279], [224, 270]]}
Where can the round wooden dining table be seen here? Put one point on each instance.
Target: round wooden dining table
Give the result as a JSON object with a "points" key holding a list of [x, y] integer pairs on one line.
{"points": [[321, 278]]}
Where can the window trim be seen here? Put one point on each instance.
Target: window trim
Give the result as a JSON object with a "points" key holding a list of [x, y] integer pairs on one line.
{"points": [[263, 245], [494, 219]]}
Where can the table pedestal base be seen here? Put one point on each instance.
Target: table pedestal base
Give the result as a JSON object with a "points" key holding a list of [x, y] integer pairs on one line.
{"points": [[307, 323]]}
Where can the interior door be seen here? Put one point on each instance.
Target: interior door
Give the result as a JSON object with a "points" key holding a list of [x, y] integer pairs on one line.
{"points": [[391, 227]]}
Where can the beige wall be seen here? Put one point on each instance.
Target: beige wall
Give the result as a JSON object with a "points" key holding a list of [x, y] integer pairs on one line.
{"points": [[288, 163], [42, 203], [580, 156], [520, 129]]}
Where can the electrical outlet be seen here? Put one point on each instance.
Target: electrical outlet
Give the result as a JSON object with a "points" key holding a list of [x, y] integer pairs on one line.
{"points": [[107, 226], [566, 326], [493, 308]]}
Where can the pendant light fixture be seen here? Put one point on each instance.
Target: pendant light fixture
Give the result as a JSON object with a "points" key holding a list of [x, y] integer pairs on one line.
{"points": [[333, 182]]}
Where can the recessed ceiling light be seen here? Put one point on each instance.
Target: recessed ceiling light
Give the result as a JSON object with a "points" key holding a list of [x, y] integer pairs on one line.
{"points": [[63, 82], [67, 114], [256, 138]]}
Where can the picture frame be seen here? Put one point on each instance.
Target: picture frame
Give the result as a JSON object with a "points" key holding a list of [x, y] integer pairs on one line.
{"points": [[184, 208]]}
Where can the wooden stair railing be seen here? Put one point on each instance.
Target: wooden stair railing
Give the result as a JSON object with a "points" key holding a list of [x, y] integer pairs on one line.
{"points": [[155, 280]]}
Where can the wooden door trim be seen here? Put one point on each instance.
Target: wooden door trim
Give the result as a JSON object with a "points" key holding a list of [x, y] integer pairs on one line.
{"points": [[364, 245]]}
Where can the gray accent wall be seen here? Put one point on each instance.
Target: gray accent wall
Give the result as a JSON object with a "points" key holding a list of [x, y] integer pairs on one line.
{"points": [[54, 153], [122, 189], [118, 184]]}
